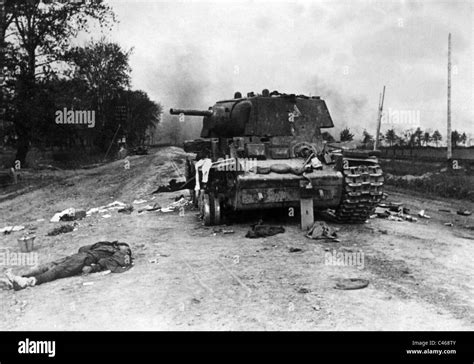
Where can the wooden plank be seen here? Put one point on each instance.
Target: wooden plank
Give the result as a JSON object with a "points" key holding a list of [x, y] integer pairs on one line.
{"points": [[307, 213]]}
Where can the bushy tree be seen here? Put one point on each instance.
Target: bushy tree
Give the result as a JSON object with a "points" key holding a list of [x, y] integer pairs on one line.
{"points": [[426, 138], [391, 136], [37, 35], [346, 135], [436, 137], [455, 138]]}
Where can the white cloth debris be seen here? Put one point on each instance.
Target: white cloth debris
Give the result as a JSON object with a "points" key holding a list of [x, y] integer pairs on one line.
{"points": [[92, 211], [316, 163], [205, 166], [137, 202], [114, 205], [423, 215], [104, 209], [9, 229], [58, 215]]}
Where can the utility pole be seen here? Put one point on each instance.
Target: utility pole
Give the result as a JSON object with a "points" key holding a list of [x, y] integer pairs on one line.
{"points": [[448, 140], [379, 119], [2, 63]]}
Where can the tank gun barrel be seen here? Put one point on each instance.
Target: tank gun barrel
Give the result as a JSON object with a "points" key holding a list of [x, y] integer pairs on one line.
{"points": [[191, 112]]}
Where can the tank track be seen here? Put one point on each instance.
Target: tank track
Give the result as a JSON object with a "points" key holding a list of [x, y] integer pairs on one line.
{"points": [[362, 190]]}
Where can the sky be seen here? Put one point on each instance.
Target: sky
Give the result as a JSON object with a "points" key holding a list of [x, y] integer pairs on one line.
{"points": [[193, 53]]}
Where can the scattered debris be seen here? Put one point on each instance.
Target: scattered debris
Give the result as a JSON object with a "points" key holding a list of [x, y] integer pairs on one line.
{"points": [[295, 250], [382, 213], [399, 209], [26, 243], [181, 203], [106, 216], [351, 283], [61, 230], [394, 211], [320, 230], [444, 210], [464, 212], [9, 229], [303, 290], [57, 216], [223, 231], [126, 210], [138, 202], [92, 211], [114, 205], [153, 207], [423, 215], [69, 214], [40, 220], [173, 186], [261, 231], [77, 215], [410, 218], [395, 218], [448, 224], [87, 283]]}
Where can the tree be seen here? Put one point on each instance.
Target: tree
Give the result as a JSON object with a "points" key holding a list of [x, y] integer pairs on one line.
{"points": [[455, 138], [426, 138], [436, 137], [346, 135], [463, 138], [143, 114], [104, 67], [417, 137], [38, 34], [391, 136], [367, 138]]}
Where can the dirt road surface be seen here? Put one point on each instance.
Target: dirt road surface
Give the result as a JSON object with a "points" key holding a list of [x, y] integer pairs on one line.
{"points": [[190, 277]]}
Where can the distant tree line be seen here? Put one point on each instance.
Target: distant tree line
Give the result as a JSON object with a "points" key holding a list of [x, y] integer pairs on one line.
{"points": [[408, 138]]}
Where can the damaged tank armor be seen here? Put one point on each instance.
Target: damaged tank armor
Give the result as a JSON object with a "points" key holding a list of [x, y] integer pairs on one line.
{"points": [[267, 151]]}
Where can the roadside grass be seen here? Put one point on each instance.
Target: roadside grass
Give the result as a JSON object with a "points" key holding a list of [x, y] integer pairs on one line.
{"points": [[431, 178]]}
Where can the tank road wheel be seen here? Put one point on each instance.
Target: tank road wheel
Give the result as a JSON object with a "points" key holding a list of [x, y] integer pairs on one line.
{"points": [[211, 209], [362, 191], [217, 209], [206, 209]]}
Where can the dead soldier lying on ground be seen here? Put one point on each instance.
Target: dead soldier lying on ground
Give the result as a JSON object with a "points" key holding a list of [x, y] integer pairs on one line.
{"points": [[113, 256]]}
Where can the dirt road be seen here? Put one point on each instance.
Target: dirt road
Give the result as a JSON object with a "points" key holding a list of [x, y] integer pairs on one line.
{"points": [[189, 277]]}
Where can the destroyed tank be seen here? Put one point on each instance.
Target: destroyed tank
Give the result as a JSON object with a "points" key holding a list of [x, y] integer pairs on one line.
{"points": [[267, 151]]}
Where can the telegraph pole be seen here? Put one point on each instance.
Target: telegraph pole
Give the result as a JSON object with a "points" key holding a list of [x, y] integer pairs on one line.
{"points": [[448, 140], [379, 119], [2, 62]]}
